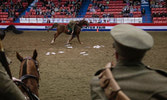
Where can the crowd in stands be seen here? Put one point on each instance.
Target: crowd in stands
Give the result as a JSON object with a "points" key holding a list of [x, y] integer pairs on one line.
{"points": [[114, 8], [11, 9], [54, 9], [159, 11]]}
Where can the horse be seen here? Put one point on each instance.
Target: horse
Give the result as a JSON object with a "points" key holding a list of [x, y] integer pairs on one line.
{"points": [[64, 29], [9, 28], [29, 76]]}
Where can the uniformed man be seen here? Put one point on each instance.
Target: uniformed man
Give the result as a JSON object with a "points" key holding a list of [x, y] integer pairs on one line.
{"points": [[8, 90], [136, 80]]}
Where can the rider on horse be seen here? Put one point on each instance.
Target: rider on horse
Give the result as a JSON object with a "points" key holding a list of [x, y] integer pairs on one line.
{"points": [[71, 26]]}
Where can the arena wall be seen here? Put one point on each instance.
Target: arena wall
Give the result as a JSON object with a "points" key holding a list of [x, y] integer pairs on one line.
{"points": [[91, 27]]}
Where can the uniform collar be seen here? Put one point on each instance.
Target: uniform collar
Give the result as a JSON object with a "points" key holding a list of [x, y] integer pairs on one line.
{"points": [[129, 63]]}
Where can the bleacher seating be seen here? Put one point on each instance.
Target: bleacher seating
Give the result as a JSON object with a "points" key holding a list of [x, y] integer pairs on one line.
{"points": [[11, 9], [159, 11], [112, 7], [46, 10]]}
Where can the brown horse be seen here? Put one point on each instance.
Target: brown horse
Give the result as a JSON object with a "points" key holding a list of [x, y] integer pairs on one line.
{"points": [[29, 75], [64, 28]]}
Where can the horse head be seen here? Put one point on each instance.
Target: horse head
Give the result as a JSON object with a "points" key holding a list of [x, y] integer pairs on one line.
{"points": [[83, 22], [29, 72]]}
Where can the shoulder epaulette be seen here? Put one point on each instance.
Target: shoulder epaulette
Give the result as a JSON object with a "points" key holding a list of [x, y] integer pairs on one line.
{"points": [[99, 71], [160, 71]]}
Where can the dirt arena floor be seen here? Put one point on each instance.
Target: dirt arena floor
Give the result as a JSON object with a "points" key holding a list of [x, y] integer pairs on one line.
{"points": [[66, 76]]}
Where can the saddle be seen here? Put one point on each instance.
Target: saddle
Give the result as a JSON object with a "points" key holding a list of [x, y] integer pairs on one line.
{"points": [[70, 30]]}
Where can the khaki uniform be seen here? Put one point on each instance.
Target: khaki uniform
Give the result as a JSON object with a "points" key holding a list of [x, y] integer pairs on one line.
{"points": [[72, 24], [136, 80], [8, 89]]}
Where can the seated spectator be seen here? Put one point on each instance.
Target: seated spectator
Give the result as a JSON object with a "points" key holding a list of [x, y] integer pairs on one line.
{"points": [[110, 15], [102, 8], [154, 15], [56, 9], [134, 9], [104, 15], [156, 5]]}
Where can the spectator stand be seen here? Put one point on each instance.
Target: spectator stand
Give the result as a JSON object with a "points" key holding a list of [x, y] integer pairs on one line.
{"points": [[26, 10], [11, 9], [54, 9], [96, 11], [159, 11]]}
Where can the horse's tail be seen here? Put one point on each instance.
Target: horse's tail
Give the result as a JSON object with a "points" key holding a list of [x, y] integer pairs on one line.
{"points": [[53, 26], [13, 29]]}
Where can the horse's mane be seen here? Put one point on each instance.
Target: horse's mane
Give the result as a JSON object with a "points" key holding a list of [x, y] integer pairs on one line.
{"points": [[81, 23], [24, 68]]}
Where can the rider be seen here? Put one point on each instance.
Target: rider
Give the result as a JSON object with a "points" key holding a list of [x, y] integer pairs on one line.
{"points": [[9, 91], [71, 26]]}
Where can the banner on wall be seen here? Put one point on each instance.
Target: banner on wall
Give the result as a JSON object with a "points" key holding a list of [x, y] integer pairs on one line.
{"points": [[90, 20], [143, 2], [91, 27]]}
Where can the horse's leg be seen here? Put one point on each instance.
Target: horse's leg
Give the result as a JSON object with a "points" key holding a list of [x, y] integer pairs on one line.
{"points": [[78, 38], [69, 40], [55, 36]]}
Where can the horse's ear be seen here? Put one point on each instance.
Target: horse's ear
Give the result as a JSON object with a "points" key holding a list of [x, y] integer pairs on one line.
{"points": [[34, 54], [19, 57]]}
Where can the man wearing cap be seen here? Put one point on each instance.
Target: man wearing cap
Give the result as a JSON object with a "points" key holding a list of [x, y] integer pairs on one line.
{"points": [[135, 79], [8, 90]]}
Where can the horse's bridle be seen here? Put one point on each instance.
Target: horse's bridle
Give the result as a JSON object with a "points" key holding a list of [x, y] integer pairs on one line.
{"points": [[84, 23], [31, 95], [27, 76]]}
